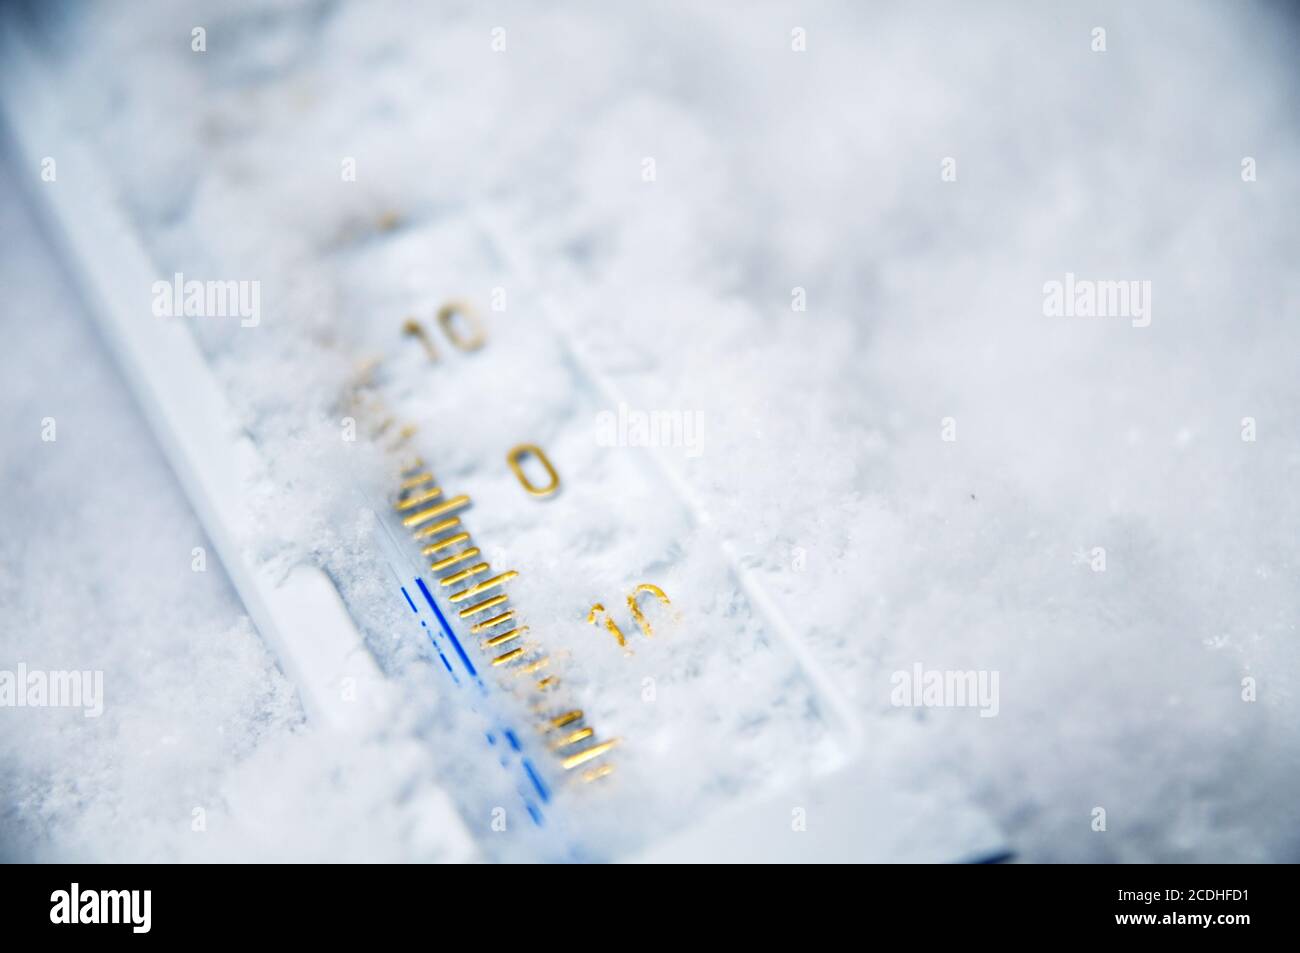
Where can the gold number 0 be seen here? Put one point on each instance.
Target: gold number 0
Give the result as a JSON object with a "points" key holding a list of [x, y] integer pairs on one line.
{"points": [[526, 449], [463, 308], [642, 622]]}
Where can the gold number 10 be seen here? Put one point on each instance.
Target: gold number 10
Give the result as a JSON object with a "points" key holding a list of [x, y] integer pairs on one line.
{"points": [[598, 612]]}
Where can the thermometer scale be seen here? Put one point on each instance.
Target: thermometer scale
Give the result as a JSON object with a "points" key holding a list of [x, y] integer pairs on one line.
{"points": [[602, 678]]}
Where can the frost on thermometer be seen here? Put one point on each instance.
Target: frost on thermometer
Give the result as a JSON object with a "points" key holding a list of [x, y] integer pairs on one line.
{"points": [[569, 593], [439, 510]]}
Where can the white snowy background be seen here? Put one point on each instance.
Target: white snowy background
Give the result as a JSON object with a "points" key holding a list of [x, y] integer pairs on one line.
{"points": [[775, 169]]}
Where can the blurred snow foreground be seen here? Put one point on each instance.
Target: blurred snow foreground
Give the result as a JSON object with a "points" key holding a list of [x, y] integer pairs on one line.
{"points": [[830, 232]]}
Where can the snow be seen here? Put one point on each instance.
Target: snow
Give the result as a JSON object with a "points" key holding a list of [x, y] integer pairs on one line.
{"points": [[822, 461]]}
